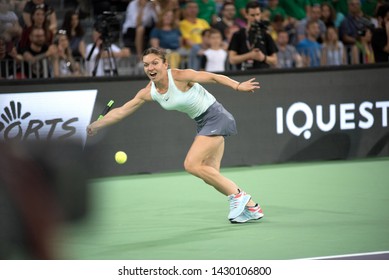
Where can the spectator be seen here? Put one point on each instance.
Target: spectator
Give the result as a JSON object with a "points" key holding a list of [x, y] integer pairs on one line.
{"points": [[6, 60], [240, 6], [276, 9], [263, 4], [276, 25], [38, 19], [9, 23], [352, 23], [309, 48], [17, 6], [227, 19], [380, 39], [207, 10], [280, 21], [49, 13], [333, 51], [341, 6], [38, 55], [229, 33], [63, 62], [287, 55], [252, 47], [191, 28], [140, 18], [362, 51], [219, 6], [315, 15], [101, 57], [75, 33], [369, 7], [329, 15], [295, 8], [167, 35], [170, 5], [215, 57]]}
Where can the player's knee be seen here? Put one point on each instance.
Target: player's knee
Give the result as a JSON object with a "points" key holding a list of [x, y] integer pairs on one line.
{"points": [[191, 167]]}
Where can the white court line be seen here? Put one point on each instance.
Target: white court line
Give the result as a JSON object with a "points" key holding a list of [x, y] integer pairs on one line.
{"points": [[345, 256]]}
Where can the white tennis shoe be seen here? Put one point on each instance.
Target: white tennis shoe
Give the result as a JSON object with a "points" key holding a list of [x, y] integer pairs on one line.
{"points": [[249, 213], [237, 204]]}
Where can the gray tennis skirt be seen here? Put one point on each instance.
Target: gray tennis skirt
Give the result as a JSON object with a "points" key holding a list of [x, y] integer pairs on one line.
{"points": [[216, 121]]}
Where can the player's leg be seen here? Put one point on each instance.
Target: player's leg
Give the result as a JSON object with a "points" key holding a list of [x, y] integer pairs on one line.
{"points": [[203, 160]]}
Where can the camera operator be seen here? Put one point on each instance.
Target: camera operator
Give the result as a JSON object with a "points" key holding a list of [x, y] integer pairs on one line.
{"points": [[252, 47]]}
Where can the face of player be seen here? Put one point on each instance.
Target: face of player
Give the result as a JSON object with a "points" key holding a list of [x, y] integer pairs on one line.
{"points": [[154, 67]]}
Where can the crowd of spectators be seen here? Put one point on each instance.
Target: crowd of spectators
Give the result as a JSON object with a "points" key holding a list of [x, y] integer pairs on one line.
{"points": [[39, 41]]}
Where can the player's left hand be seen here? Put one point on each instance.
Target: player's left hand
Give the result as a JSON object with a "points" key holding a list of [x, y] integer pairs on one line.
{"points": [[248, 86]]}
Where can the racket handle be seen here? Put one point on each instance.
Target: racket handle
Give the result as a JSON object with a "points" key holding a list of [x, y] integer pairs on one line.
{"points": [[106, 109]]}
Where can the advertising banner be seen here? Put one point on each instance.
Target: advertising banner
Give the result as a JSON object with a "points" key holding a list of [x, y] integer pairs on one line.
{"points": [[54, 115]]}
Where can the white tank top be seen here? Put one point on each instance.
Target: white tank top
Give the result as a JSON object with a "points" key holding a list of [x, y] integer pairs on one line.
{"points": [[193, 102]]}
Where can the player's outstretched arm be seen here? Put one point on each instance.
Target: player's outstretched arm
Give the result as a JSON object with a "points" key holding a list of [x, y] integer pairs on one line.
{"points": [[208, 77], [117, 114]]}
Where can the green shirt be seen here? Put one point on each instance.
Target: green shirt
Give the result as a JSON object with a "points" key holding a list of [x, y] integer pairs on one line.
{"points": [[240, 4], [277, 11], [295, 8], [368, 7], [207, 8], [340, 6]]}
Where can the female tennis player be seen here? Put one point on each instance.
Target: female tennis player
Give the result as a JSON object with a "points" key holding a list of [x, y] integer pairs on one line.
{"points": [[180, 90]]}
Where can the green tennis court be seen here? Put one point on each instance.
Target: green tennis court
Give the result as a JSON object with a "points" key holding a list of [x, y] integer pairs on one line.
{"points": [[311, 210]]}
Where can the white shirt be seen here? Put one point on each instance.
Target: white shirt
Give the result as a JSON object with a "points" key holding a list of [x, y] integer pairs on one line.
{"points": [[148, 18], [193, 102], [216, 60]]}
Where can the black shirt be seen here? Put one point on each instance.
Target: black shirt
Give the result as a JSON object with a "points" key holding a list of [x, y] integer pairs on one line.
{"points": [[7, 66], [240, 44], [36, 70], [378, 43]]}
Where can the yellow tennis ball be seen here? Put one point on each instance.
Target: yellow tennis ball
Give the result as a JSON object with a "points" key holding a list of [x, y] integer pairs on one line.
{"points": [[121, 157]]}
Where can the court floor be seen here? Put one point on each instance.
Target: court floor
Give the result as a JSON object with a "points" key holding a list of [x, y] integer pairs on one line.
{"points": [[312, 210]]}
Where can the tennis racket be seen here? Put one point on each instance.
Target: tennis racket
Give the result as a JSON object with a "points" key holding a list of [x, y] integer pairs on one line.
{"points": [[106, 109]]}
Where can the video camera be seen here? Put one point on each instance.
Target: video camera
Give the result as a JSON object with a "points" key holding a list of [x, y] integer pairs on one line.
{"points": [[108, 25], [363, 25], [256, 33]]}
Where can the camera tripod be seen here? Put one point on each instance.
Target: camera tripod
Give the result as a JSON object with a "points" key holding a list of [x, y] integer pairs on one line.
{"points": [[112, 70]]}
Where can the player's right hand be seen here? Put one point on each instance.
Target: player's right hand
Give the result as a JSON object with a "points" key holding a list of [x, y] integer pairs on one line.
{"points": [[90, 130]]}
